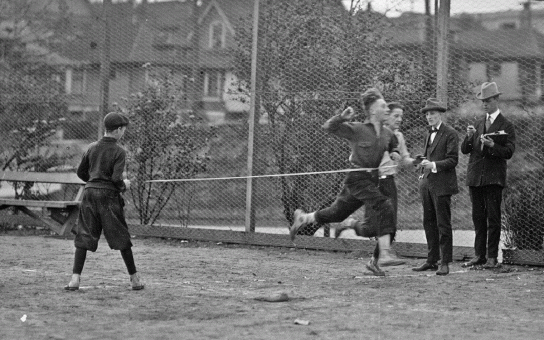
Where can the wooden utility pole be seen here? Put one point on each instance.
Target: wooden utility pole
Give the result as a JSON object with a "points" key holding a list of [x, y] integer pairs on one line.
{"points": [[428, 53], [105, 66], [442, 61], [250, 208], [193, 81]]}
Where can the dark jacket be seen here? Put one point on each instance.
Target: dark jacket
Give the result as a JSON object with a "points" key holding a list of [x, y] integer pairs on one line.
{"points": [[367, 148], [102, 165], [444, 151], [488, 166]]}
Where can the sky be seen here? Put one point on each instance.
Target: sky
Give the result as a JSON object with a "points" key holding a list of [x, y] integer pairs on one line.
{"points": [[396, 7]]}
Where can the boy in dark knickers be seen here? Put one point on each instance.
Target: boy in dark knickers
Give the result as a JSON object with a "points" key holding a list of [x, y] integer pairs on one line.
{"points": [[102, 205]]}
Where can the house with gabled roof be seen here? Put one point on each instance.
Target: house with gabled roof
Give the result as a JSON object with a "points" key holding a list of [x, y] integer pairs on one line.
{"points": [[149, 37], [216, 25], [152, 35]]}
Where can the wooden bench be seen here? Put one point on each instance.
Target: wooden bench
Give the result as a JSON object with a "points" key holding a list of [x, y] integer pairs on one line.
{"points": [[62, 214]]}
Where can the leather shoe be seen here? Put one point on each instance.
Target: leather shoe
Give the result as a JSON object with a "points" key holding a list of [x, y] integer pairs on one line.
{"points": [[373, 267], [136, 282], [444, 270], [338, 231], [425, 266], [492, 262], [298, 222], [474, 262], [390, 260]]}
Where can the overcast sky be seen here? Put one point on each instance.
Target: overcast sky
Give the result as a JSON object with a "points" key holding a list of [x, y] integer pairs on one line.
{"points": [[396, 7]]}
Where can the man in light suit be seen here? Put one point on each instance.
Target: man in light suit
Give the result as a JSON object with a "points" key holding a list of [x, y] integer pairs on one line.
{"points": [[486, 175], [437, 183]]}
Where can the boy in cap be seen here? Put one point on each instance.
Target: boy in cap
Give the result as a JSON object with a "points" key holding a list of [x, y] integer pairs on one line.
{"points": [[102, 205]]}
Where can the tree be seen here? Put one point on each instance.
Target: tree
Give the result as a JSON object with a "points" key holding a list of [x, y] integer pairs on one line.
{"points": [[32, 104], [298, 81], [315, 58], [160, 146]]}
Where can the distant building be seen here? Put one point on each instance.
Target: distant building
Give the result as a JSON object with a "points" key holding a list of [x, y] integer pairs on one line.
{"points": [[150, 37], [504, 47], [511, 20]]}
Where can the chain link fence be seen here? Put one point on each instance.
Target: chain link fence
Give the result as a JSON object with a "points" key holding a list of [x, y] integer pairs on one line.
{"points": [[181, 71]]}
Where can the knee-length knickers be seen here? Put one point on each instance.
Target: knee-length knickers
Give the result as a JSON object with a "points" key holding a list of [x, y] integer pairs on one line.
{"points": [[361, 188], [101, 210]]}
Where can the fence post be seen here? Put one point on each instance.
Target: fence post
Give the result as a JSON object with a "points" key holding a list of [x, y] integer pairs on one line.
{"points": [[105, 66], [443, 52], [250, 209]]}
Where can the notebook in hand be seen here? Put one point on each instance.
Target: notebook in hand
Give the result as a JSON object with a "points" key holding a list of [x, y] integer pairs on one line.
{"points": [[498, 137]]}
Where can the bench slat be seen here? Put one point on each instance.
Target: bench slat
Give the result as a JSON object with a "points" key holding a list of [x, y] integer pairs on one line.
{"points": [[42, 177], [40, 204]]}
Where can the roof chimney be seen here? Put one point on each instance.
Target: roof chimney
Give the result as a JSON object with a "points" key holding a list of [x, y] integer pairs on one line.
{"points": [[525, 20]]}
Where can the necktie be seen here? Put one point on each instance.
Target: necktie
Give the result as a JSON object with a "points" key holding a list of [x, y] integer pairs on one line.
{"points": [[487, 123]]}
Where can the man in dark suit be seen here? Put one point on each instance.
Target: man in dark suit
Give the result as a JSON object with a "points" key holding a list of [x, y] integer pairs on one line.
{"points": [[437, 183], [486, 175]]}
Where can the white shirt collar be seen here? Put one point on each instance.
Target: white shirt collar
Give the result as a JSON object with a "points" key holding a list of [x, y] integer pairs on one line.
{"points": [[439, 125], [493, 116]]}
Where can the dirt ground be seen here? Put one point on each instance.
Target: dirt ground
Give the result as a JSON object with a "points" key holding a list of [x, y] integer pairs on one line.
{"points": [[197, 290]]}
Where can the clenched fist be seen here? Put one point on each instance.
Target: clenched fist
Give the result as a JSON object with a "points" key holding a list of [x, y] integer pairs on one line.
{"points": [[348, 113]]}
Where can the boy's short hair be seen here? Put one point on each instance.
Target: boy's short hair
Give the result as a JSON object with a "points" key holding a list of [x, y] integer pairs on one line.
{"points": [[370, 96], [114, 120], [395, 105]]}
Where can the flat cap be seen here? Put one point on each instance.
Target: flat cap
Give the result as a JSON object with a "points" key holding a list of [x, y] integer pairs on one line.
{"points": [[113, 120]]}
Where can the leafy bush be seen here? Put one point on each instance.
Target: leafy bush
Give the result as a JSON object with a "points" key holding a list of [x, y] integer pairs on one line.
{"points": [[85, 130], [523, 221], [160, 146]]}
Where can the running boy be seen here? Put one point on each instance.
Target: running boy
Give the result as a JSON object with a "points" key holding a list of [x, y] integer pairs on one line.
{"points": [[369, 141]]}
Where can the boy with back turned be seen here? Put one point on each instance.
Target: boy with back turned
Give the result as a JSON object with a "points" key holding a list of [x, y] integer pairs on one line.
{"points": [[102, 205]]}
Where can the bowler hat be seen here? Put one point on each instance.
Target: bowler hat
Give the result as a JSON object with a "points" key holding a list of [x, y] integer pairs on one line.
{"points": [[433, 105], [488, 90], [113, 120]]}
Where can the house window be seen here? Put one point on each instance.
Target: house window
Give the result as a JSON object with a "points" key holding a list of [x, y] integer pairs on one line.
{"points": [[494, 70], [217, 35], [508, 26], [213, 84], [78, 81]]}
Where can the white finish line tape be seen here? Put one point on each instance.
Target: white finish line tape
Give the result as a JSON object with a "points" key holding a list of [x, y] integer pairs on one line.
{"points": [[274, 175]]}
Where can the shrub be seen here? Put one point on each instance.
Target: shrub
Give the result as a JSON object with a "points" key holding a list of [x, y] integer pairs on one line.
{"points": [[160, 147], [523, 221]]}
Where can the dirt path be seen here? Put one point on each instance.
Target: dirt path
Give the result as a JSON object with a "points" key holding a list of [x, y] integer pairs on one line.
{"points": [[198, 290]]}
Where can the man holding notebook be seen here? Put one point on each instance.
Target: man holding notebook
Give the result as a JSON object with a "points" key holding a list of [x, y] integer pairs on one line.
{"points": [[490, 142]]}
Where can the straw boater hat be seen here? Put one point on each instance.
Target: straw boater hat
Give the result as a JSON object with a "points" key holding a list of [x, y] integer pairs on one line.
{"points": [[433, 105], [488, 90]]}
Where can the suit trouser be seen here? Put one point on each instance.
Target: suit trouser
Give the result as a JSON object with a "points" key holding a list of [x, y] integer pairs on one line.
{"points": [[486, 216], [437, 224]]}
